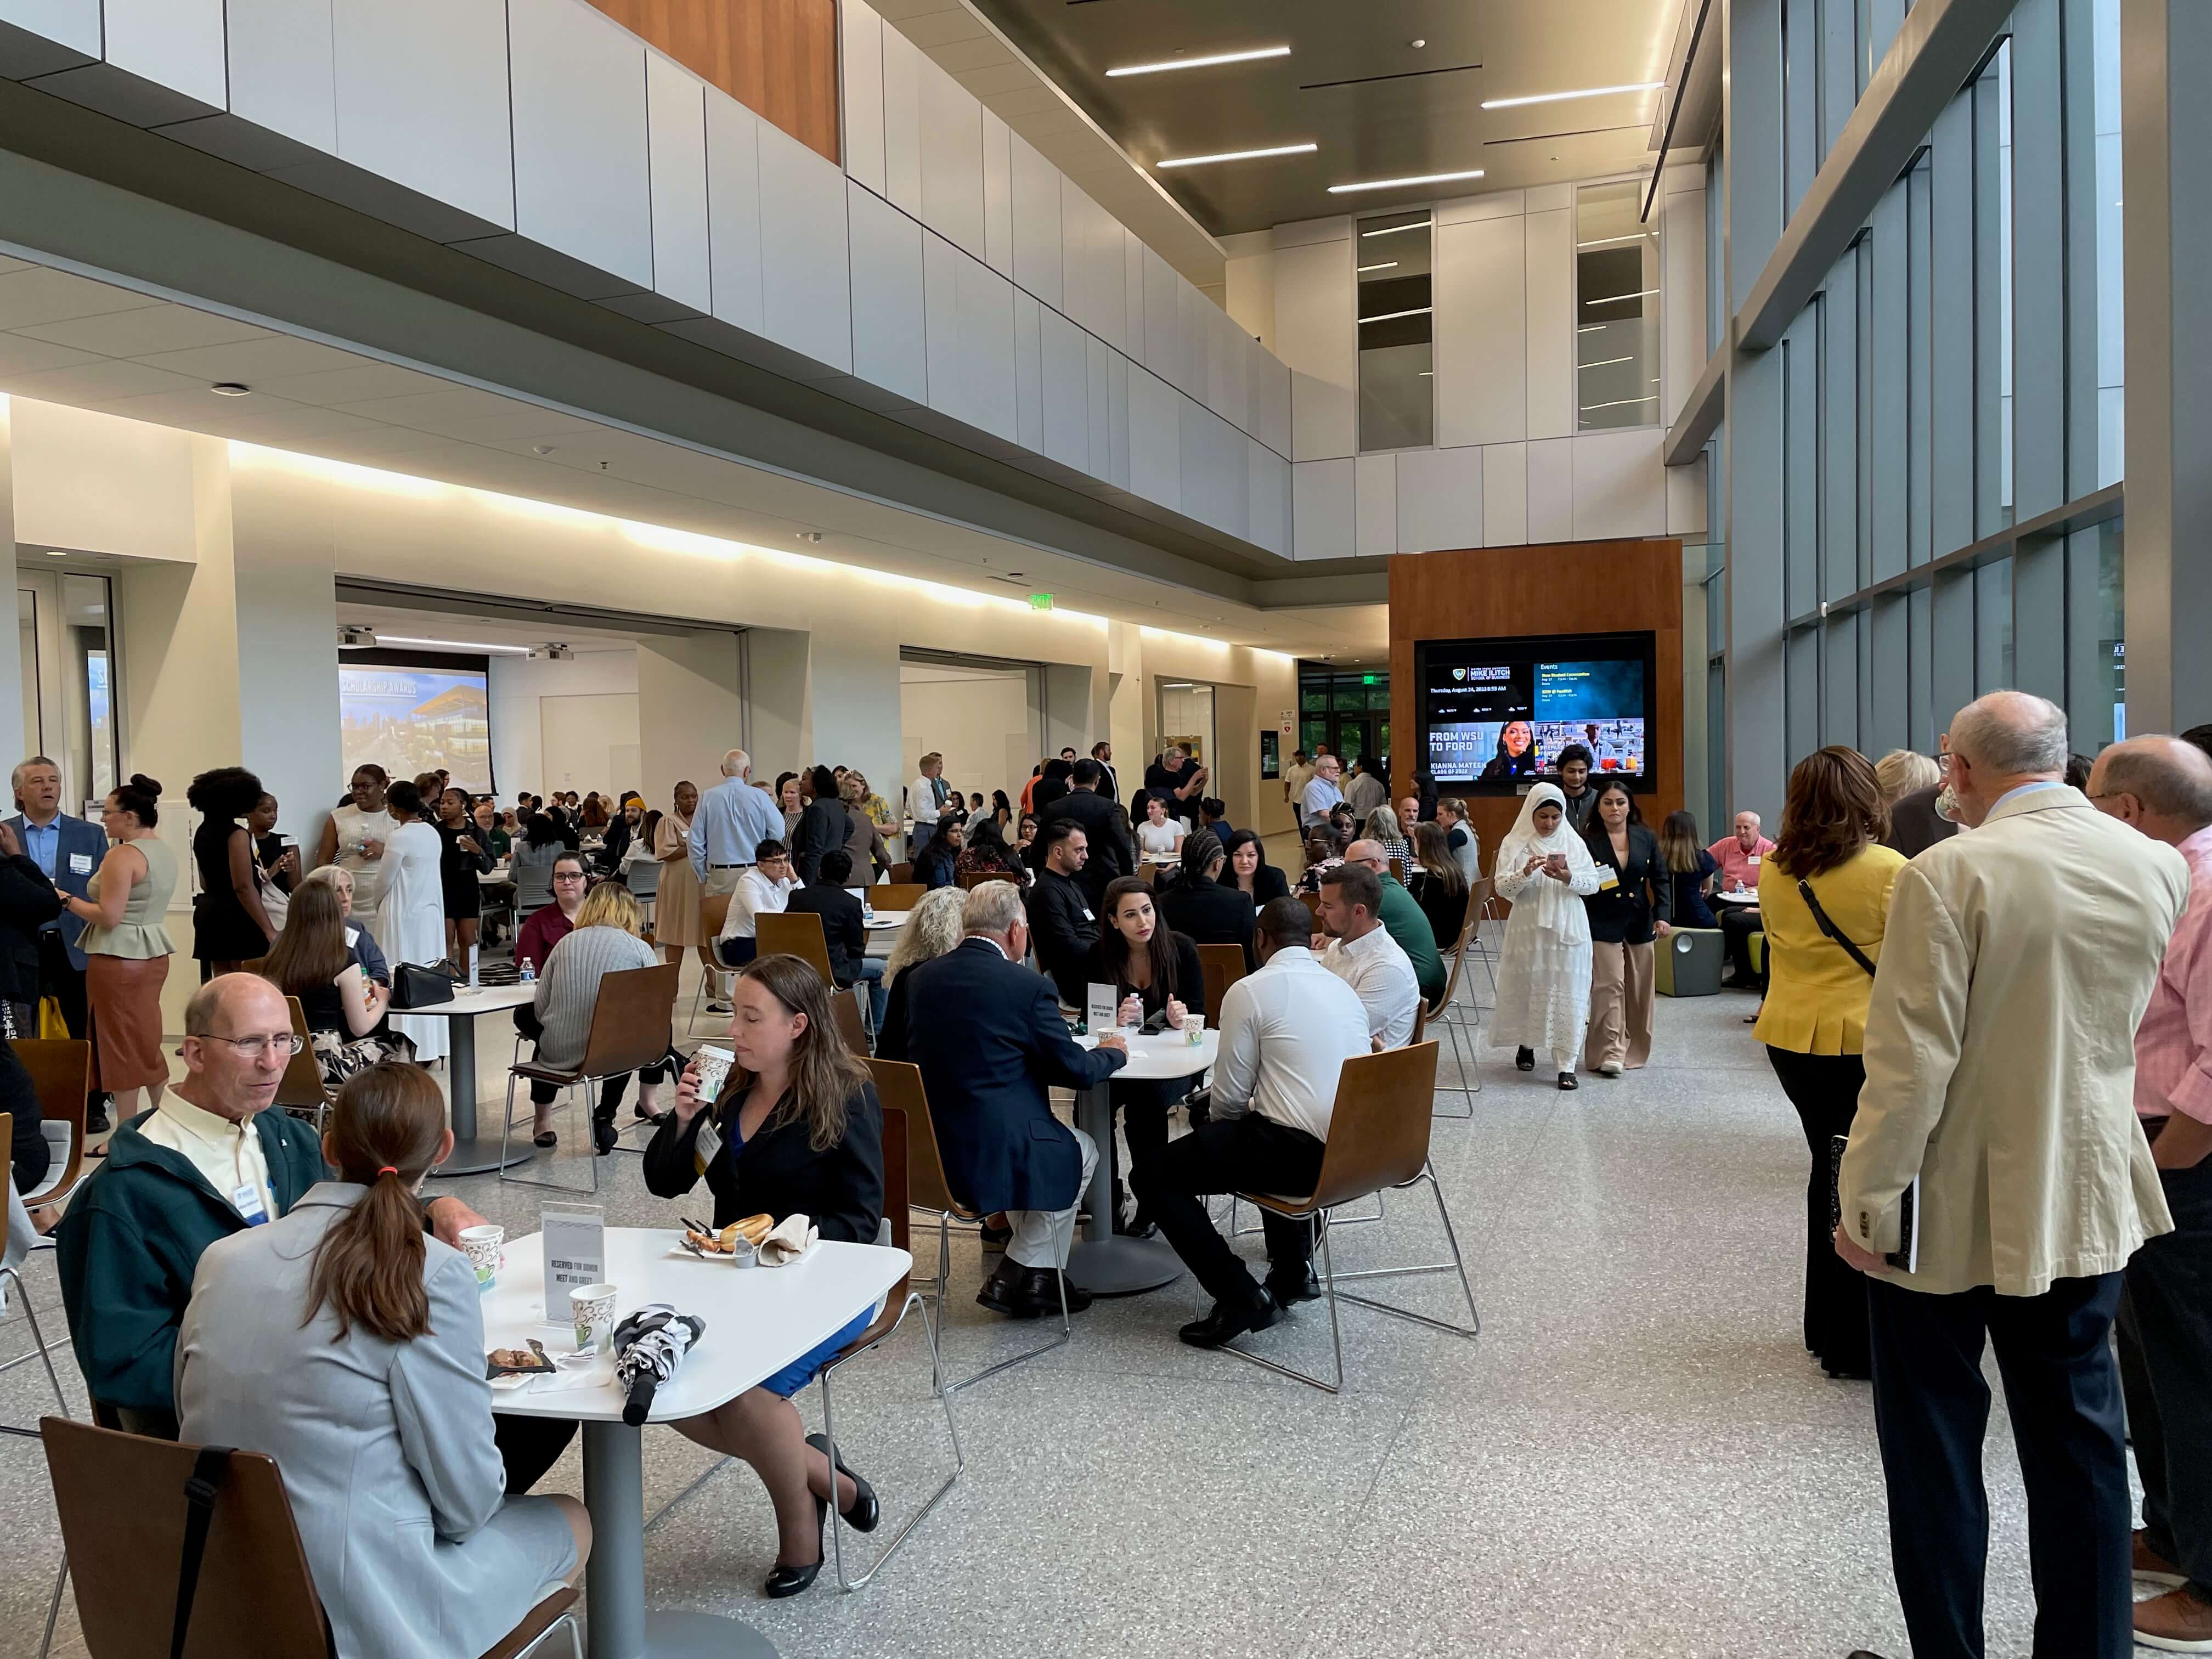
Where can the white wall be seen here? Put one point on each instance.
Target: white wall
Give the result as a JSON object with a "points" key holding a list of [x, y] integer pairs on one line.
{"points": [[983, 721], [516, 686]]}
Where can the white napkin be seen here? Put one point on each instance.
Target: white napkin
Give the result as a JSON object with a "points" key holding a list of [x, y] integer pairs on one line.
{"points": [[793, 1237]]}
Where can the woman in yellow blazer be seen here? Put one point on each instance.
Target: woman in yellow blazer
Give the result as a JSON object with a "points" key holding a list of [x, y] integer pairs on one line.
{"points": [[1813, 1023]]}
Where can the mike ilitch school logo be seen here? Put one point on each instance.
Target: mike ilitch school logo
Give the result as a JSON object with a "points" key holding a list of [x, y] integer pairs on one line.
{"points": [[1458, 673]]}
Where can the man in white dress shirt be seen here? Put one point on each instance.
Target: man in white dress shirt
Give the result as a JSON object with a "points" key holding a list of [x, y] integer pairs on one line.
{"points": [[1320, 791], [1287, 1031], [925, 802], [1365, 956]]}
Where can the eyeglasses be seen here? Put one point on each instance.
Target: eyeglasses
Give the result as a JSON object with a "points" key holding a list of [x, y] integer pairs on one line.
{"points": [[573, 876], [254, 1047]]}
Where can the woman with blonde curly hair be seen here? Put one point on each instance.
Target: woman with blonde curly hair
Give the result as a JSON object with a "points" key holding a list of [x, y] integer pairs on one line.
{"points": [[931, 930]]}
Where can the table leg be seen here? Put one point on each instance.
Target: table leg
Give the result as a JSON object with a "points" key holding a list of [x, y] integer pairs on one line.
{"points": [[1101, 1262], [614, 1578], [471, 1156]]}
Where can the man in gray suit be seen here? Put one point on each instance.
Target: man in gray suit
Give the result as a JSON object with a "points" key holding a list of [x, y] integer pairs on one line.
{"points": [[68, 850]]}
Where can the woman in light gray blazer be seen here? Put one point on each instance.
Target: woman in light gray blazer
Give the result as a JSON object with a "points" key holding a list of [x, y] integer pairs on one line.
{"points": [[347, 1344]]}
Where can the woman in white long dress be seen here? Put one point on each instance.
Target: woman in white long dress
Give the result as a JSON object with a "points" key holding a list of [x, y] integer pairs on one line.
{"points": [[1543, 871], [411, 920]]}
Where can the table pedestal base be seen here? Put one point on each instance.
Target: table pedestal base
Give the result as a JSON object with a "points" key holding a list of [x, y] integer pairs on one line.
{"points": [[480, 1155], [1122, 1266], [702, 1635]]}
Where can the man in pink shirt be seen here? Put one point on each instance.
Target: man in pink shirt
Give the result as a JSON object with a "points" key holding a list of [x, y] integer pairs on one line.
{"points": [[2163, 786], [1739, 856]]}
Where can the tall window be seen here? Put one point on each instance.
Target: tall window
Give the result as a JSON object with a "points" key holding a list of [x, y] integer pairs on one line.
{"points": [[1616, 309], [1397, 356]]}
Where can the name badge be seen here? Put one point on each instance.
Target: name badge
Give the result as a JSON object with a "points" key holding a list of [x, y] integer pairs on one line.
{"points": [[353, 937], [1606, 881], [1751, 858], [80, 864], [1087, 916], [708, 1147], [247, 1201]]}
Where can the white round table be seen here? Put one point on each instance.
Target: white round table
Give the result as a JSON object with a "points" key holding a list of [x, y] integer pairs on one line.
{"points": [[1739, 901], [1104, 1262], [759, 1320]]}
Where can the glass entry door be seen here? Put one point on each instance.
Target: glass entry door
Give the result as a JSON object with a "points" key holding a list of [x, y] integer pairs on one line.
{"points": [[67, 639]]}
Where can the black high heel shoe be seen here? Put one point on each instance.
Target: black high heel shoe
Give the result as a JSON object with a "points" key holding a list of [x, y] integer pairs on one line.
{"points": [[787, 1580], [866, 1511]]}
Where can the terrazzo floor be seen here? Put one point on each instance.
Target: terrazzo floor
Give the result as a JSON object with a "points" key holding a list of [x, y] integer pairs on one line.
{"points": [[1636, 1457]]}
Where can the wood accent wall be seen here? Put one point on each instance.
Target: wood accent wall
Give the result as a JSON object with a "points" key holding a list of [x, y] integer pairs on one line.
{"points": [[1562, 588], [777, 57]]}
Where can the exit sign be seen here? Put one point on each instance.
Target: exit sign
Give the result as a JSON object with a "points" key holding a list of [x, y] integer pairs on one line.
{"points": [[1367, 679], [1040, 601]]}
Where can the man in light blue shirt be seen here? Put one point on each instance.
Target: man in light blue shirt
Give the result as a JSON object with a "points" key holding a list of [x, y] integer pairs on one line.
{"points": [[1321, 794], [733, 820], [68, 850]]}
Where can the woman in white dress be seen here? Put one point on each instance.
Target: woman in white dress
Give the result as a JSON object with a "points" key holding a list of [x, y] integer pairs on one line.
{"points": [[1543, 871], [1159, 836], [411, 920]]}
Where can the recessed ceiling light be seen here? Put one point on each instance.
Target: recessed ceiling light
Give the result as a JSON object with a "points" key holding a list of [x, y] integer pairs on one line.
{"points": [[1207, 62], [1417, 179], [229, 389], [1560, 97], [1237, 155]]}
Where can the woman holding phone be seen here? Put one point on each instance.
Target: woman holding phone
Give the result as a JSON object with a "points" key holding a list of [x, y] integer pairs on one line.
{"points": [[1545, 872]]}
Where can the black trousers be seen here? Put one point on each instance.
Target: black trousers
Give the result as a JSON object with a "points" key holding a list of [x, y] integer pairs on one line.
{"points": [[1144, 1105], [612, 1089], [1931, 1410], [1738, 924], [63, 979], [1825, 1089], [2165, 1371], [1250, 1153]]}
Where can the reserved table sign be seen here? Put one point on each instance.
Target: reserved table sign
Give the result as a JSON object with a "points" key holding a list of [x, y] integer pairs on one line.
{"points": [[575, 1251], [1102, 1013]]}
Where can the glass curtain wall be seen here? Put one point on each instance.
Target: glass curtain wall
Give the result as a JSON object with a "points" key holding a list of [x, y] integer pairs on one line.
{"points": [[1616, 308], [1397, 353]]}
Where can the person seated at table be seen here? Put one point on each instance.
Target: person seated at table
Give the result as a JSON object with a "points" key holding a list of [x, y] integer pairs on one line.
{"points": [[1459, 836], [1439, 885], [1213, 814], [608, 939], [1324, 853], [987, 855], [1287, 1031], [549, 924], [491, 831], [1395, 839], [360, 941], [1362, 952], [931, 930], [844, 930], [1397, 911], [373, 1404], [766, 888], [988, 1038], [1160, 836], [344, 1008], [938, 864], [1250, 873], [1061, 918], [1739, 857], [1202, 907], [1690, 868], [796, 1130], [1157, 981]]}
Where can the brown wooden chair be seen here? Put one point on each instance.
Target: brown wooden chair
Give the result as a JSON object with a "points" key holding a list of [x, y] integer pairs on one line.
{"points": [[301, 1090], [901, 874], [713, 911], [903, 1298], [1378, 1138], [975, 879], [123, 1506], [896, 895], [1398, 869], [1223, 965], [61, 1079], [795, 933], [899, 1087], [850, 1026], [632, 1020]]}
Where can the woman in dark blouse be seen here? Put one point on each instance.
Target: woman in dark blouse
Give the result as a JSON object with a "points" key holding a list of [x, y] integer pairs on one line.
{"points": [[1202, 907], [1153, 971], [1632, 904], [1248, 871], [229, 927], [797, 1130], [463, 855], [1690, 870], [1437, 885]]}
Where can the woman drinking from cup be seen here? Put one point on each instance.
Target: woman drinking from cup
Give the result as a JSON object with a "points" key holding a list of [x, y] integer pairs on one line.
{"points": [[795, 1129]]}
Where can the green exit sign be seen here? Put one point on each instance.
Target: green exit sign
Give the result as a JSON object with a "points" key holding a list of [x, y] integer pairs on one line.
{"points": [[1040, 601], [1367, 679]]}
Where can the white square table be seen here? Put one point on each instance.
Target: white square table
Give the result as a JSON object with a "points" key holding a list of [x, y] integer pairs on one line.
{"points": [[1103, 1261], [759, 1320]]}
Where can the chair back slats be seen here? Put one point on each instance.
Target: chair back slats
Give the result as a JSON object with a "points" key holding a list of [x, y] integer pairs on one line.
{"points": [[121, 1500], [61, 1080], [302, 1081], [896, 894], [632, 1020], [794, 934], [1223, 965], [898, 1085], [1378, 1132]]}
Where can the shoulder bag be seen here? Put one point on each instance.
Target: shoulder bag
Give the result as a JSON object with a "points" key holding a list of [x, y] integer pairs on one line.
{"points": [[1821, 920], [414, 986]]}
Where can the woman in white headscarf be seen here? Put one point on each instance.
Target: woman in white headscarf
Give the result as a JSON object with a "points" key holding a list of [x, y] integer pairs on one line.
{"points": [[1543, 871]]}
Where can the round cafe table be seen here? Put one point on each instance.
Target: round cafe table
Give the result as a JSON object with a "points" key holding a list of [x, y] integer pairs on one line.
{"points": [[1103, 1261]]}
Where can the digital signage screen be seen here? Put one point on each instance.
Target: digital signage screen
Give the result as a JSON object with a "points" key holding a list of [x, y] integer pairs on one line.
{"points": [[1495, 714]]}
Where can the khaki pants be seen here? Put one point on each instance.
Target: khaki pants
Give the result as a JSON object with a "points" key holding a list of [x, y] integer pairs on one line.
{"points": [[1620, 1005], [721, 882]]}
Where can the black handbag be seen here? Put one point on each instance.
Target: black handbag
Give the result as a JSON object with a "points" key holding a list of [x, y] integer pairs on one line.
{"points": [[414, 986]]}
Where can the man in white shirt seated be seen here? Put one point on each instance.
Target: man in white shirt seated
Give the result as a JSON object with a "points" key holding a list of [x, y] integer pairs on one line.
{"points": [[1364, 955], [766, 888], [1287, 1031]]}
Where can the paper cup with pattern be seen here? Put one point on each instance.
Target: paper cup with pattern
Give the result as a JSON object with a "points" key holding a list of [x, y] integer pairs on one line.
{"points": [[713, 1071], [594, 1307], [481, 1246], [1193, 1029]]}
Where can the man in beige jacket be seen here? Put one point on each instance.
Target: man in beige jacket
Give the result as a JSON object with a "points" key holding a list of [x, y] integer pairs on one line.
{"points": [[1999, 1074]]}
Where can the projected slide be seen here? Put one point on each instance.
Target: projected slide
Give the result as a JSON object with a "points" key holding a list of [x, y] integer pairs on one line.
{"points": [[416, 720]]}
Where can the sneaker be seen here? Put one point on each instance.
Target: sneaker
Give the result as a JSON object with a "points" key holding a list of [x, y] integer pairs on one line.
{"points": [[2152, 1567], [1610, 1068], [2180, 1621], [720, 1008]]}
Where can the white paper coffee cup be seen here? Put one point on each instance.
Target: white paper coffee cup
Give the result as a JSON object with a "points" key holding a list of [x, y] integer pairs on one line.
{"points": [[482, 1247], [1193, 1029], [593, 1308], [713, 1071]]}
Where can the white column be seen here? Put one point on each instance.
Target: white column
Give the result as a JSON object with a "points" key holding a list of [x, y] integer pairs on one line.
{"points": [[11, 638], [690, 710]]}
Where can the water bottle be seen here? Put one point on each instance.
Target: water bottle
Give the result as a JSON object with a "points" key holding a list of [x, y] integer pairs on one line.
{"points": [[529, 971]]}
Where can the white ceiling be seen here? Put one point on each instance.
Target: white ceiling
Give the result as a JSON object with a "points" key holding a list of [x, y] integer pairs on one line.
{"points": [[65, 338]]}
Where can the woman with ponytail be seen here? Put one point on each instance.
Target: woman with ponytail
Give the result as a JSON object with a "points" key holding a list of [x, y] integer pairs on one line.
{"points": [[126, 948], [347, 1342]]}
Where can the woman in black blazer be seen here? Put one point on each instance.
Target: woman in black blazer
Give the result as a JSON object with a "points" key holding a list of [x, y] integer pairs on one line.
{"points": [[1631, 905], [1156, 970], [1202, 908], [797, 1130], [1248, 871]]}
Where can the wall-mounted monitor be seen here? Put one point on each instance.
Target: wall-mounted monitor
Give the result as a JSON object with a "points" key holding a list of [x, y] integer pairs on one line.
{"points": [[1494, 715]]}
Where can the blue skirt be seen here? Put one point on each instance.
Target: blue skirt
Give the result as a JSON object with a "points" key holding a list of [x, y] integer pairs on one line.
{"points": [[798, 1374]]}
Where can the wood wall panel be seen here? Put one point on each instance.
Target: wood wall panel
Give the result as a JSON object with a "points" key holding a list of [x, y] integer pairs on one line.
{"points": [[777, 57], [1562, 588]]}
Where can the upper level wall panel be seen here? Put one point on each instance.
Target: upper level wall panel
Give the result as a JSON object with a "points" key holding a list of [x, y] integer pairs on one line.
{"points": [[437, 121], [582, 180], [777, 57]]}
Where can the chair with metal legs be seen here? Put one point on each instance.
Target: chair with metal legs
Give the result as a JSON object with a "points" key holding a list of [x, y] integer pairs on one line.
{"points": [[1482, 906], [903, 1297], [1447, 1014], [898, 1086], [713, 911], [1378, 1138], [630, 1031]]}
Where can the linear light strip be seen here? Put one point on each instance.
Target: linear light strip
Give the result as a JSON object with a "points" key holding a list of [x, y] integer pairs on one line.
{"points": [[1415, 179], [1392, 230], [1237, 155], [1608, 241], [1604, 363], [1562, 97], [1388, 264], [1207, 62], [1392, 316], [1622, 402], [1615, 299], [452, 645]]}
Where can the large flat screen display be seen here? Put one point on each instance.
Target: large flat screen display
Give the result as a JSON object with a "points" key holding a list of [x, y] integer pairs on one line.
{"points": [[1495, 714], [412, 719]]}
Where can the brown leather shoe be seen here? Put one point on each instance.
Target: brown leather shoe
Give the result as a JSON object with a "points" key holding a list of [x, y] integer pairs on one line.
{"points": [[2152, 1567], [2180, 1621]]}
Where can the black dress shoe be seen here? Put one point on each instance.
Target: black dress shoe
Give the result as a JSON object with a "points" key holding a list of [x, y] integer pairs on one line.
{"points": [[1862, 1653], [1227, 1321], [1138, 1226], [1002, 1292], [1524, 1060], [606, 1138], [96, 1121], [1039, 1294], [790, 1581], [994, 1238], [866, 1511], [1286, 1290], [545, 1138]]}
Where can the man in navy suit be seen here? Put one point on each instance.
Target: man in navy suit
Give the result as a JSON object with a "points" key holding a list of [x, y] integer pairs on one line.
{"points": [[68, 850], [989, 1039]]}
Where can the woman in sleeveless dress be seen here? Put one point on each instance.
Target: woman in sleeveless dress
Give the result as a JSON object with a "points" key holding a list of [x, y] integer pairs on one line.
{"points": [[126, 948], [411, 922]]}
